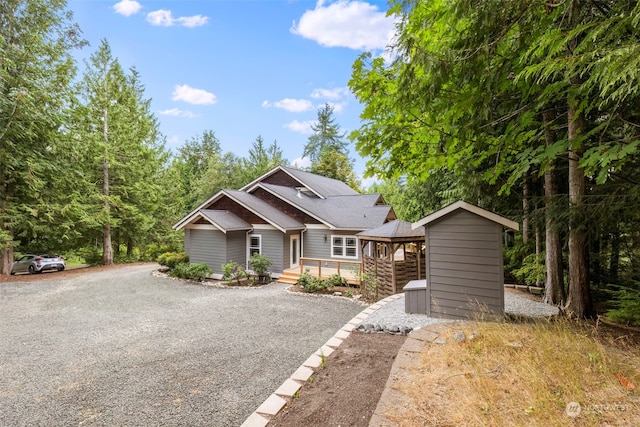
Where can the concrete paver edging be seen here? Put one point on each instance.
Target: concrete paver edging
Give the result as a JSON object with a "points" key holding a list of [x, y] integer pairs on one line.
{"points": [[274, 403]]}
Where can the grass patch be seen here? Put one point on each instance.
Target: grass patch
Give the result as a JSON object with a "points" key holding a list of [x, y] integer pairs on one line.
{"points": [[524, 374]]}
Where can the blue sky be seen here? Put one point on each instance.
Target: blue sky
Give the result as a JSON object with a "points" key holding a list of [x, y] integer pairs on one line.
{"points": [[241, 68]]}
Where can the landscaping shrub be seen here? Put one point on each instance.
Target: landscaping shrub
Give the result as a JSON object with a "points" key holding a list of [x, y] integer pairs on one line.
{"points": [[314, 284], [260, 264], [192, 271], [370, 285], [336, 280], [172, 259], [233, 271]]}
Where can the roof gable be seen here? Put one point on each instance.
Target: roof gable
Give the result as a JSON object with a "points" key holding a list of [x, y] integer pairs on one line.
{"points": [[470, 208], [321, 186], [357, 211]]}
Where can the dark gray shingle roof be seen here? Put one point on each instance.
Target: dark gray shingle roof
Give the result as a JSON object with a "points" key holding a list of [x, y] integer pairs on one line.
{"points": [[321, 185], [264, 210], [397, 229], [225, 220], [358, 211]]}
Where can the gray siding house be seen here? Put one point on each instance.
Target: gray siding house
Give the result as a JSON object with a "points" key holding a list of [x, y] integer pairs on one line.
{"points": [[286, 214], [463, 258]]}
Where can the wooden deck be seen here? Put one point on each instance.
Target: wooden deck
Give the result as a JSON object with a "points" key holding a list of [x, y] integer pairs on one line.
{"points": [[324, 268]]}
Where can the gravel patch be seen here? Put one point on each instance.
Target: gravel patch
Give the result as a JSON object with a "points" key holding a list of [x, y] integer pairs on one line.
{"points": [[392, 318], [122, 347]]}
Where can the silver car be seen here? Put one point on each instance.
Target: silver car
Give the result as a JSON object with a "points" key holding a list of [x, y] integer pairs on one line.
{"points": [[37, 264]]}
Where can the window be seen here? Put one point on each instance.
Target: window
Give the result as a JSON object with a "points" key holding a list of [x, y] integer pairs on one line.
{"points": [[344, 246], [255, 245]]}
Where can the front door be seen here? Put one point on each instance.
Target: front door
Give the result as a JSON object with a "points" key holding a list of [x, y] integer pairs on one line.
{"points": [[295, 251]]}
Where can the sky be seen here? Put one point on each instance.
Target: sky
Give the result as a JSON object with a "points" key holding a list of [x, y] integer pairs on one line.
{"points": [[241, 68]]}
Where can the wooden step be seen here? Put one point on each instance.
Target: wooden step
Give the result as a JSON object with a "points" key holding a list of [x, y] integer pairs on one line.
{"points": [[289, 277]]}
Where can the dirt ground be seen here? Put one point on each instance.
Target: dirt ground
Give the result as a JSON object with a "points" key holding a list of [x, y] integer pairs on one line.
{"points": [[346, 390]]}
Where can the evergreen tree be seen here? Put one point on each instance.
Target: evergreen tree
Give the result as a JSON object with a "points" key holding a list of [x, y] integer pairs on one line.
{"points": [[36, 67], [328, 151], [117, 146], [261, 160]]}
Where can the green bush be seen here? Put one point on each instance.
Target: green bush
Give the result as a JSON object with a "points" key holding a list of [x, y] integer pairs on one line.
{"points": [[91, 255], [233, 271], [627, 301], [194, 271], [260, 264], [370, 286], [172, 259], [336, 280], [314, 284], [532, 271]]}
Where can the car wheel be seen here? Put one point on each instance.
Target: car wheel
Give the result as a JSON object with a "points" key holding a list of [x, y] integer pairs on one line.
{"points": [[60, 268], [32, 269]]}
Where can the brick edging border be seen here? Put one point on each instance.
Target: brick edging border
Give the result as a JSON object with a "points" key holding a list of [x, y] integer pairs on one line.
{"points": [[279, 398]]}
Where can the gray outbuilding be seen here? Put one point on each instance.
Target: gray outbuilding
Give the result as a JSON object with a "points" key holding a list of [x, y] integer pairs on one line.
{"points": [[464, 264]]}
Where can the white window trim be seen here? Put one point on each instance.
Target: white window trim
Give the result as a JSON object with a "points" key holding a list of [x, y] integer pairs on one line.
{"points": [[343, 246], [249, 247]]}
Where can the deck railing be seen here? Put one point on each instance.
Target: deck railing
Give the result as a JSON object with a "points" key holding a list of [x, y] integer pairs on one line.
{"points": [[323, 268]]}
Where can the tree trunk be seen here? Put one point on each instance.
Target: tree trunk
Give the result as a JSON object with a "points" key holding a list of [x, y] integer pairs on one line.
{"points": [[526, 210], [554, 283], [6, 252], [614, 261], [538, 235], [579, 298], [107, 250]]}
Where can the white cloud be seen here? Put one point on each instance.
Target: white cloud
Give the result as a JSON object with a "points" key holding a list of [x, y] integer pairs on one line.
{"points": [[291, 105], [301, 162], [193, 21], [192, 95], [164, 18], [127, 7], [335, 93], [337, 107], [176, 112], [160, 17], [300, 127], [353, 24]]}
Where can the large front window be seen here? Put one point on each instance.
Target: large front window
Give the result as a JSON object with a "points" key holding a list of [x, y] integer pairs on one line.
{"points": [[255, 245], [344, 246]]}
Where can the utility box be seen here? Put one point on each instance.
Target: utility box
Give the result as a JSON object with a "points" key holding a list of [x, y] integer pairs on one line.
{"points": [[415, 297]]}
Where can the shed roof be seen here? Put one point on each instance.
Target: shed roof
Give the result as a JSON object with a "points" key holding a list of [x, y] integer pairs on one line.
{"points": [[470, 208], [393, 231]]}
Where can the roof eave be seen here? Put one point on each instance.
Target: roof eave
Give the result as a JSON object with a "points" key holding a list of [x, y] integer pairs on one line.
{"points": [[470, 208]]}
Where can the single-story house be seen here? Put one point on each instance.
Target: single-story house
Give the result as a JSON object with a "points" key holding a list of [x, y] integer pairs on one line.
{"points": [[285, 215]]}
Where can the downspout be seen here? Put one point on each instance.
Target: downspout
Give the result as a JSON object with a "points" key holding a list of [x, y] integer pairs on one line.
{"points": [[247, 240]]}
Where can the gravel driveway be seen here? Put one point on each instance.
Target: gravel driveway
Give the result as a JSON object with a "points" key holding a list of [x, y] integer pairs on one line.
{"points": [[123, 347]]}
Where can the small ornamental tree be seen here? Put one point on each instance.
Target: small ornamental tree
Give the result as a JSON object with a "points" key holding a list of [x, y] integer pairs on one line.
{"points": [[260, 265]]}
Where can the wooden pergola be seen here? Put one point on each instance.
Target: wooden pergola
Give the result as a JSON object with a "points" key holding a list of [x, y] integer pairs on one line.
{"points": [[394, 253]]}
